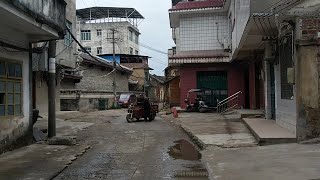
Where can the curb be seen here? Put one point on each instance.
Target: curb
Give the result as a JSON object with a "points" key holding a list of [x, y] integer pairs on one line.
{"points": [[201, 145], [70, 162], [194, 138]]}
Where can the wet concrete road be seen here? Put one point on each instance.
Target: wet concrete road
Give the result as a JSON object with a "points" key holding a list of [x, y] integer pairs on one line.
{"points": [[140, 150]]}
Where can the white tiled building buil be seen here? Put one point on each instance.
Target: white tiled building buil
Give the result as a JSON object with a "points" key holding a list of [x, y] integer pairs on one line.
{"points": [[202, 32]]}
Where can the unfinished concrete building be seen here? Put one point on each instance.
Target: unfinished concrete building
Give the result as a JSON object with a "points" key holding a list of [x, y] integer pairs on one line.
{"points": [[97, 26]]}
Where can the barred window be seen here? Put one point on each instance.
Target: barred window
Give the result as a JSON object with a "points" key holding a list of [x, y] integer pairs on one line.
{"points": [[67, 37], [85, 35], [99, 50], [88, 49], [99, 32]]}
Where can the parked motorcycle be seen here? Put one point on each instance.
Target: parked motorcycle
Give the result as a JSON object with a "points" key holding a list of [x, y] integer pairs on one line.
{"points": [[199, 105]]}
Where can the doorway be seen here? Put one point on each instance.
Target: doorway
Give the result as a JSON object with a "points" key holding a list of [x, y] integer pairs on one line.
{"points": [[215, 84]]}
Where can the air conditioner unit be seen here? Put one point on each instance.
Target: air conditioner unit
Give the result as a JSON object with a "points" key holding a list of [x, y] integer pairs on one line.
{"points": [[40, 61]]}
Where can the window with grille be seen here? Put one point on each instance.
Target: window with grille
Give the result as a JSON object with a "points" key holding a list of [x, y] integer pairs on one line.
{"points": [[99, 50], [130, 35], [88, 49], [131, 51], [137, 52], [99, 32], [85, 35], [136, 39], [67, 37], [286, 61], [10, 89]]}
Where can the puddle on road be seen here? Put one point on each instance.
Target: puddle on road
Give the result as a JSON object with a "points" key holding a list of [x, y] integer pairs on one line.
{"points": [[183, 149]]}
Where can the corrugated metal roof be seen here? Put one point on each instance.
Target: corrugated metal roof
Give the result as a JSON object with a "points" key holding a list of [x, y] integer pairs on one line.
{"points": [[108, 12], [102, 62], [184, 5]]}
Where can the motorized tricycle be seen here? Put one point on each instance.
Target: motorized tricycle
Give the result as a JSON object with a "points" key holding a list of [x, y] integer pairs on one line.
{"points": [[199, 104], [139, 110]]}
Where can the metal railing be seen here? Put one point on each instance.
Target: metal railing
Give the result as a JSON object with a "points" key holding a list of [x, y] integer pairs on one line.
{"points": [[232, 100]]}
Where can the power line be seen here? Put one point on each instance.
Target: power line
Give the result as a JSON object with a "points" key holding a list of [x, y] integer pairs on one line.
{"points": [[155, 59], [151, 48], [288, 5], [273, 6]]}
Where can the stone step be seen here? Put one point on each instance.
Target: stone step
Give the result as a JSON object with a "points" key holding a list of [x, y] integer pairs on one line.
{"points": [[247, 113], [268, 132]]}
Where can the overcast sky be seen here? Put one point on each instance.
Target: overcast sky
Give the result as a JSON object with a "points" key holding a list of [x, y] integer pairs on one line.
{"points": [[155, 29]]}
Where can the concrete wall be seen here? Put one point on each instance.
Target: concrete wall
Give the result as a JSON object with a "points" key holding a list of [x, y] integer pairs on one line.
{"points": [[66, 55], [267, 89], [41, 88], [66, 58], [52, 13], [188, 79], [240, 13], [286, 114], [202, 31], [139, 75], [14, 129], [308, 95], [104, 41], [96, 79], [68, 84]]}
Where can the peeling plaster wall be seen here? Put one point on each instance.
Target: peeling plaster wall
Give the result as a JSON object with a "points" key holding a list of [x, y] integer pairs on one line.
{"points": [[14, 129], [309, 92]]}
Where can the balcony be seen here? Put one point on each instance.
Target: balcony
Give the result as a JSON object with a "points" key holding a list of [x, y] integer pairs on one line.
{"points": [[196, 57], [32, 21]]}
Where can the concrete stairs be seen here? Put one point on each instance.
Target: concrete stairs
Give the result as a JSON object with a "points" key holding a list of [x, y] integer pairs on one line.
{"points": [[268, 132]]}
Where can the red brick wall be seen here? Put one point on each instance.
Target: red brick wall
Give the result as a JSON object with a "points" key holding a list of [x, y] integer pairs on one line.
{"points": [[310, 28], [188, 78]]}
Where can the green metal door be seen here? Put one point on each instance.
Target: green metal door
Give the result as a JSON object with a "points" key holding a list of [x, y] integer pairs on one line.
{"points": [[215, 84]]}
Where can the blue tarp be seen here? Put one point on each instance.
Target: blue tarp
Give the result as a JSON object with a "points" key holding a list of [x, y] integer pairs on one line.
{"points": [[110, 58]]}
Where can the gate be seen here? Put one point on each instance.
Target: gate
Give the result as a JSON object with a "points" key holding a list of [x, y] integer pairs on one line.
{"points": [[215, 84]]}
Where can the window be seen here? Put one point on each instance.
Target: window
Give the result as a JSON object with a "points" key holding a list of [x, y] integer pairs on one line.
{"points": [[99, 32], [10, 89], [136, 40], [131, 51], [137, 52], [130, 35], [88, 49], [67, 37], [99, 50], [85, 35]]}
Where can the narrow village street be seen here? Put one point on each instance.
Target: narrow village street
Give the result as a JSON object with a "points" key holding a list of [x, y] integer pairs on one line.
{"points": [[140, 150], [156, 90]]}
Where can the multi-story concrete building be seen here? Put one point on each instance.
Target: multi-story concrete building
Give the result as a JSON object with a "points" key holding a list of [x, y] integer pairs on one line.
{"points": [[202, 33], [97, 26], [25, 23], [283, 40], [269, 50]]}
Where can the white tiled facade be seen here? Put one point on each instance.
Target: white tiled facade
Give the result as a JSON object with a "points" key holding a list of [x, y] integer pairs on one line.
{"points": [[286, 113], [202, 32], [103, 39]]}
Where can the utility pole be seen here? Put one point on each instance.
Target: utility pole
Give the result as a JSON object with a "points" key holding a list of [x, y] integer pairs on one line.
{"points": [[52, 90], [114, 68]]}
